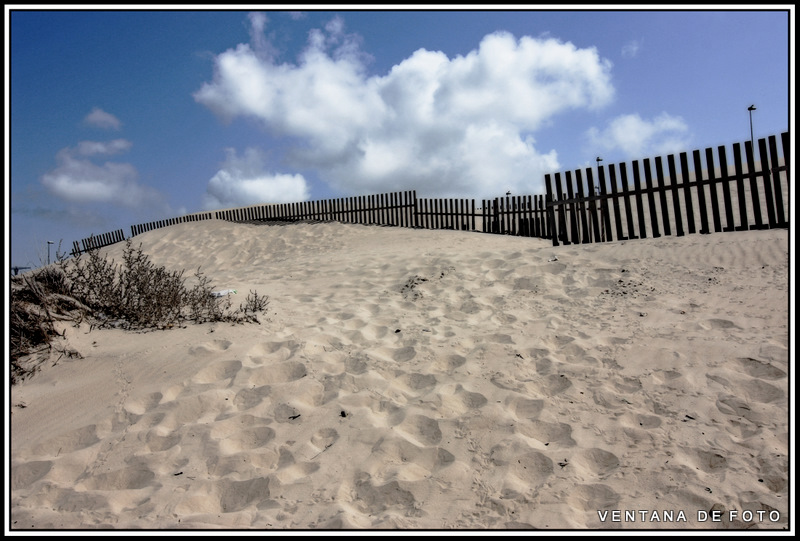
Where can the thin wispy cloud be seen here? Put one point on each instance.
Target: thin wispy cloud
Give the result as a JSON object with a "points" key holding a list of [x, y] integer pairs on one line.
{"points": [[638, 137], [243, 180], [101, 119], [85, 176], [445, 126], [631, 49], [79, 180], [93, 148]]}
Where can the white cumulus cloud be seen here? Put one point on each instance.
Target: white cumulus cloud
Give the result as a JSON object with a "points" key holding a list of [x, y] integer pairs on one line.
{"points": [[100, 119], [243, 180], [458, 126], [639, 138]]}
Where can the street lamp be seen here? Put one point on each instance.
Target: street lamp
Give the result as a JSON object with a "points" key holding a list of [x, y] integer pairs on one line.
{"points": [[49, 242], [751, 109]]}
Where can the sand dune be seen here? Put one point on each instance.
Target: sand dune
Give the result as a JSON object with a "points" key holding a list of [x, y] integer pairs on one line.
{"points": [[412, 379]]}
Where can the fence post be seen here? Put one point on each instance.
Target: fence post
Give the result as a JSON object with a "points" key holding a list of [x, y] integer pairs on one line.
{"points": [[549, 205], [687, 192], [676, 204], [637, 189], [701, 192], [751, 172], [712, 182], [573, 214], [773, 152], [626, 200], [605, 214], [766, 171], [662, 191], [615, 202], [744, 223]]}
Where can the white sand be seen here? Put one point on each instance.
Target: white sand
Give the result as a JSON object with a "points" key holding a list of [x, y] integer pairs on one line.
{"points": [[413, 379]]}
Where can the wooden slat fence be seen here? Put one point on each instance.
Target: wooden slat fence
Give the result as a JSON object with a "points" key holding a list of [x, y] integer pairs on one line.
{"points": [[647, 198], [458, 214], [522, 215], [707, 196], [143, 228], [99, 241], [382, 209]]}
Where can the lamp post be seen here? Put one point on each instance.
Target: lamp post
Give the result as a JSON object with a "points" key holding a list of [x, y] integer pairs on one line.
{"points": [[751, 109], [49, 242]]}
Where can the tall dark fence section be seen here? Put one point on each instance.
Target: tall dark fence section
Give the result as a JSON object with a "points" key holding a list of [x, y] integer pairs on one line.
{"points": [[650, 198], [679, 197]]}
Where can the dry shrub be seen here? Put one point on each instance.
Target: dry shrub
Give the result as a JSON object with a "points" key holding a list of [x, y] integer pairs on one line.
{"points": [[133, 295], [139, 294], [38, 299]]}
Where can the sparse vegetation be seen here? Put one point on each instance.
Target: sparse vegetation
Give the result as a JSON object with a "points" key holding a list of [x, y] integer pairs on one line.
{"points": [[136, 294]]}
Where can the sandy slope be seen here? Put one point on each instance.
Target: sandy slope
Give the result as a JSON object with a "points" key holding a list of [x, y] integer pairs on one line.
{"points": [[414, 379]]}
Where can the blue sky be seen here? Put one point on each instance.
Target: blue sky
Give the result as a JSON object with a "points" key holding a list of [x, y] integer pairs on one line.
{"points": [[122, 117]]}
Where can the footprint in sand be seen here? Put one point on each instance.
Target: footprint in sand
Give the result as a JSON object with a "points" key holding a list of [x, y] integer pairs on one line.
{"points": [[733, 405], [210, 348], [252, 464], [638, 420], [69, 442], [761, 391], [528, 465], [131, 478], [593, 498], [533, 468], [507, 383], [25, 474], [448, 363], [525, 408], [253, 437], [596, 462], [421, 429], [143, 404], [272, 352], [296, 473], [322, 391], [218, 372], [416, 383], [69, 500], [404, 354], [284, 413], [717, 324], [197, 409], [547, 433], [281, 372], [250, 398], [324, 438], [371, 499], [760, 369], [355, 365], [161, 439], [707, 461], [552, 385], [398, 458], [460, 400], [226, 496]]}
